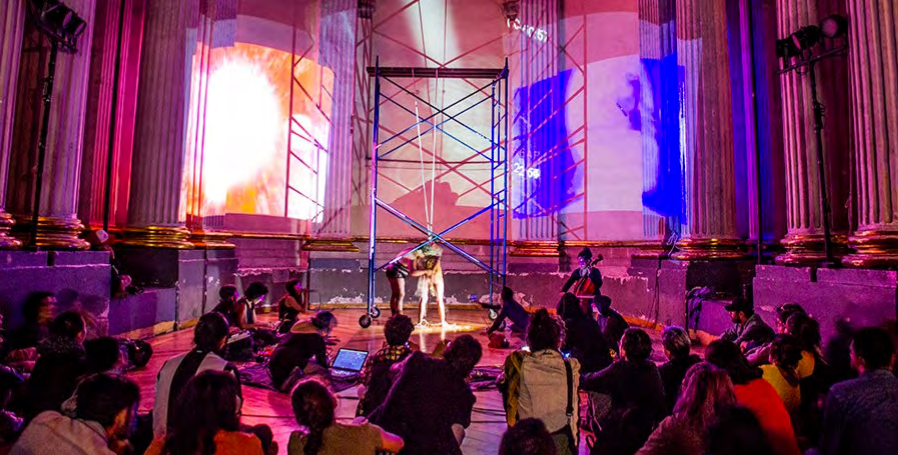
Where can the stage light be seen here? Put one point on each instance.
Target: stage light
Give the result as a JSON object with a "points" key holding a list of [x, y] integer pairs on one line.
{"points": [[806, 37], [834, 26], [75, 27], [57, 16], [511, 9]]}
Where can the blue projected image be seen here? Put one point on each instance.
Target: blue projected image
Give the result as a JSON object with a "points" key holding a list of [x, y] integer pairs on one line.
{"points": [[542, 162], [665, 79]]}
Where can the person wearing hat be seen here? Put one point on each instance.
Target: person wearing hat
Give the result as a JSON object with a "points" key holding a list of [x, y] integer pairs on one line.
{"points": [[749, 329]]}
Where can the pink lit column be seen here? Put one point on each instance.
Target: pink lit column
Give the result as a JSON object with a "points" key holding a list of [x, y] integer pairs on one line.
{"points": [[709, 231], [874, 86], [337, 49], [155, 218], [657, 42], [12, 24]]}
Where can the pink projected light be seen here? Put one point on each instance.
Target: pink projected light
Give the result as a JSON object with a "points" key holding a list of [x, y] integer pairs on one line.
{"points": [[244, 124]]}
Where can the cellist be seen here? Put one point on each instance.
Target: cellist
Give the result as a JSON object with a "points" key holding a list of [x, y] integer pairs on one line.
{"points": [[586, 280]]}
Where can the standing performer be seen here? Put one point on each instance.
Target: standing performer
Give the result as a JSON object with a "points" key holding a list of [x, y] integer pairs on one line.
{"points": [[410, 263], [431, 282], [585, 282]]}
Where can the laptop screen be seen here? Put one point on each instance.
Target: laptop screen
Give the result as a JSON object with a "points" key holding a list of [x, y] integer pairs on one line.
{"points": [[350, 359]]}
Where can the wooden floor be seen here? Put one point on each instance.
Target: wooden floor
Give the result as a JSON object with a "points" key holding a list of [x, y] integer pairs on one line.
{"points": [[264, 406]]}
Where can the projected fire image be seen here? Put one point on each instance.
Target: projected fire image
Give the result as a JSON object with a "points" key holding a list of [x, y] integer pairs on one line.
{"points": [[244, 127]]}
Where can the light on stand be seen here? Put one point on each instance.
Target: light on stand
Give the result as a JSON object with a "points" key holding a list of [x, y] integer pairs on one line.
{"points": [[800, 53], [834, 26]]}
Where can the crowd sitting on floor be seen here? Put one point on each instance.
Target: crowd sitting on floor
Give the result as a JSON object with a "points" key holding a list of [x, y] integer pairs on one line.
{"points": [[573, 377]]}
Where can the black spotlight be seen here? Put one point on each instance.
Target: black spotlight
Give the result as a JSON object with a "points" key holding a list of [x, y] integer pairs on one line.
{"points": [[806, 37], [75, 27], [57, 16], [834, 26]]}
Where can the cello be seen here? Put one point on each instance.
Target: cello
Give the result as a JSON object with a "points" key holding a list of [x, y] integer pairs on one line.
{"points": [[584, 288]]}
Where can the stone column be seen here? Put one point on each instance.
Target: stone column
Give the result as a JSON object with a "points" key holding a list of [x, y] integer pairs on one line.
{"points": [[12, 24], [535, 226], [709, 230], [99, 122], [58, 224], [218, 29], [874, 86], [337, 47], [804, 217], [659, 118], [155, 215]]}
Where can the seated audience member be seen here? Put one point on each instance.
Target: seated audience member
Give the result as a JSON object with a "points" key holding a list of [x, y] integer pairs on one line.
{"points": [[227, 305], [528, 437], [535, 383], [291, 305], [37, 314], [207, 420], [583, 337], [60, 366], [430, 403], [838, 352], [706, 391], [11, 380], [677, 348], [760, 355], [756, 394], [209, 339], [307, 340], [736, 431], [241, 311], [513, 311], [861, 415], [611, 322], [313, 406], [782, 371], [806, 331], [252, 299], [106, 406], [104, 355], [376, 376], [637, 396], [814, 374], [749, 330]]}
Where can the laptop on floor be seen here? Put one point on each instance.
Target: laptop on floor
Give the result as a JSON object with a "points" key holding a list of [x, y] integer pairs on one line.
{"points": [[347, 364]]}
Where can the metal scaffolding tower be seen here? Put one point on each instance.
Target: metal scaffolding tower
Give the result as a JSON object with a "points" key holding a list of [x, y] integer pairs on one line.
{"points": [[495, 92]]}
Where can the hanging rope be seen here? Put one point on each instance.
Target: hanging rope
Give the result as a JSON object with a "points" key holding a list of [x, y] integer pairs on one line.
{"points": [[427, 208]]}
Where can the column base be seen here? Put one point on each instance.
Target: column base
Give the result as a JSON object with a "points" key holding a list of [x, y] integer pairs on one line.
{"points": [[173, 237], [874, 248], [211, 240], [340, 245], [807, 249], [692, 249], [53, 233], [7, 242]]}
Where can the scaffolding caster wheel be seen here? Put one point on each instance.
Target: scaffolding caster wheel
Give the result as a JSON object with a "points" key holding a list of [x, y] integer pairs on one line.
{"points": [[493, 315], [375, 312], [365, 321]]}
